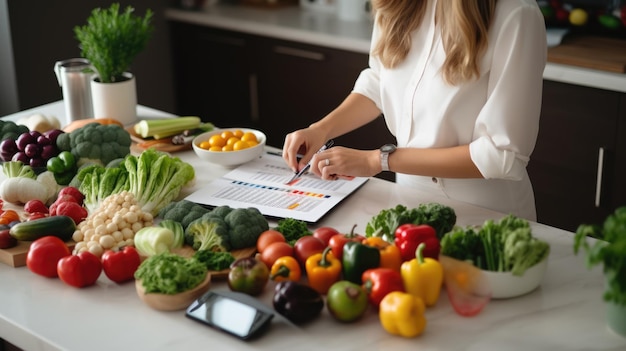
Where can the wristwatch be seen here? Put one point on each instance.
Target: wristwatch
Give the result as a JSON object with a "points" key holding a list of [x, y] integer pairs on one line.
{"points": [[385, 150]]}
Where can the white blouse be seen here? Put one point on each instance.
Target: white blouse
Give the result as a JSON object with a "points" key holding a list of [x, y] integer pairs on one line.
{"points": [[496, 114]]}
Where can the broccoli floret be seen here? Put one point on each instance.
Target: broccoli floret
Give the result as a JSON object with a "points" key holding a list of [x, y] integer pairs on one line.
{"points": [[292, 229], [214, 261], [208, 233], [245, 226], [221, 211], [464, 244], [183, 211], [11, 130], [94, 143]]}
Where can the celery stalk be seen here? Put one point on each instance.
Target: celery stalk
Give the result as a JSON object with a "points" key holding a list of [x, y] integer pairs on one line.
{"points": [[161, 128]]}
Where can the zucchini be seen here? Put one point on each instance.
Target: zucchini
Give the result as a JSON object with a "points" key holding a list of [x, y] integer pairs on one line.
{"points": [[62, 227]]}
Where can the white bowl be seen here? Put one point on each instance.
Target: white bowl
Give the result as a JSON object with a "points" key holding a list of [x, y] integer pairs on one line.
{"points": [[176, 302], [229, 158], [505, 285]]}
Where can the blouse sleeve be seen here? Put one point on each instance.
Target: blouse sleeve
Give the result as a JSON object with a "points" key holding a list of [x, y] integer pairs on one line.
{"points": [[368, 81], [507, 126]]}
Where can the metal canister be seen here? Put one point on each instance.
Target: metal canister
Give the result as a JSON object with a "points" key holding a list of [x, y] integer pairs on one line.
{"points": [[74, 76]]}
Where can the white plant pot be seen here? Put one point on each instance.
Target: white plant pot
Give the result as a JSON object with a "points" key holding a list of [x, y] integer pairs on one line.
{"points": [[115, 100]]}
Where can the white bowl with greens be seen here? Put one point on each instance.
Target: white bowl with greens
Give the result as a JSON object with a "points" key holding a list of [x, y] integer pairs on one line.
{"points": [[511, 259]]}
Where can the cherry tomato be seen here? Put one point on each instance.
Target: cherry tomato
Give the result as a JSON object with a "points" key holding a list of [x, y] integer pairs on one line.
{"points": [[268, 237], [9, 216], [274, 251], [324, 234], [307, 246], [44, 254]]}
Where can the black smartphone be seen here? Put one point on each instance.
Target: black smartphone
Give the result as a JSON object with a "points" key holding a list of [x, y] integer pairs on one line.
{"points": [[230, 313]]}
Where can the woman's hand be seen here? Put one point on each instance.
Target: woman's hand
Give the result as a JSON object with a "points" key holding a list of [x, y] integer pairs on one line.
{"points": [[304, 142], [342, 161]]}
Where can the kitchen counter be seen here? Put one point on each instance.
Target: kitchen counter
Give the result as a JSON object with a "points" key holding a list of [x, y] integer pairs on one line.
{"points": [[326, 29], [565, 313]]}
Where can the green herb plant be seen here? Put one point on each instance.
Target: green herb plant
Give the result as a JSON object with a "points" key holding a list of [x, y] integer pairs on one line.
{"points": [[111, 40], [609, 250]]}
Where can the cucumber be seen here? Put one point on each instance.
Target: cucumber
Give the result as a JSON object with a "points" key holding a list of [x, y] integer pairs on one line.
{"points": [[62, 227]]}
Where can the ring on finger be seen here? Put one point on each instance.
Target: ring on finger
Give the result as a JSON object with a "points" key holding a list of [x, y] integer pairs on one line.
{"points": [[327, 162]]}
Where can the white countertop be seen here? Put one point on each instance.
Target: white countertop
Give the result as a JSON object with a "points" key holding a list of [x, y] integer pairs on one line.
{"points": [[326, 29], [565, 313]]}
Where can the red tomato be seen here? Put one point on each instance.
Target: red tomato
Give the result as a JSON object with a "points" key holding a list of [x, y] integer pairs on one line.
{"points": [[79, 270], [324, 234], [44, 254], [336, 243], [35, 206], [73, 192], [120, 266], [275, 250], [268, 237], [307, 246]]}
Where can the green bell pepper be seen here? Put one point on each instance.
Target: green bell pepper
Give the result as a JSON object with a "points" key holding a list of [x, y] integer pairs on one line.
{"points": [[63, 166], [357, 258]]}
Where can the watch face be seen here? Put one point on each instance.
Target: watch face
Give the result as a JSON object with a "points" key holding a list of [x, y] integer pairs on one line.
{"points": [[388, 148]]}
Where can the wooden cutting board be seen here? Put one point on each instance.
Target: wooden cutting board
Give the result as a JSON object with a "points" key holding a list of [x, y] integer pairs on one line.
{"points": [[16, 256], [165, 144], [605, 54]]}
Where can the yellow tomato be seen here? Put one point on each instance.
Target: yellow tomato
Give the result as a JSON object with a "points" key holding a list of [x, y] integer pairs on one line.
{"points": [[252, 143], [240, 145], [248, 136], [227, 134], [205, 145], [238, 133], [227, 148], [215, 148], [232, 140], [217, 140]]}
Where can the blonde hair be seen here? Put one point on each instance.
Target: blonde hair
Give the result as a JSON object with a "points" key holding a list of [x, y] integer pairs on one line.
{"points": [[464, 29]]}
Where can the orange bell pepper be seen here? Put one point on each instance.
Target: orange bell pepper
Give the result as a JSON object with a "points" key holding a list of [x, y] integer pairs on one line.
{"points": [[390, 256], [323, 270], [285, 268]]}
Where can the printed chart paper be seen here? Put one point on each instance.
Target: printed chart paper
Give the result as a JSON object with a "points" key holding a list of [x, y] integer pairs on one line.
{"points": [[261, 184]]}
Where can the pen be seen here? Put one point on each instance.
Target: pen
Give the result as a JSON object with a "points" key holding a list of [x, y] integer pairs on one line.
{"points": [[308, 165]]}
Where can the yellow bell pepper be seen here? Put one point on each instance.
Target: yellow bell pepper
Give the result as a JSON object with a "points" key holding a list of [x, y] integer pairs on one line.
{"points": [[423, 277], [402, 314], [323, 270]]}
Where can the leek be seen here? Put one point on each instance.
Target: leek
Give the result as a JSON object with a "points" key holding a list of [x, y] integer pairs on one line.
{"points": [[163, 128]]}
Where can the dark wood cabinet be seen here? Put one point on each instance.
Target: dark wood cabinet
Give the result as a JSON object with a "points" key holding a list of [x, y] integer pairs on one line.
{"points": [[578, 166], [237, 79]]}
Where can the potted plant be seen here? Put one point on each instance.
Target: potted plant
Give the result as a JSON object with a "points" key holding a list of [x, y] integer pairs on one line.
{"points": [[609, 249], [110, 41]]}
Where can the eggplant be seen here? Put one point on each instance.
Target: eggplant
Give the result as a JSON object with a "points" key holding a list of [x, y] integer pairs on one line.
{"points": [[297, 302]]}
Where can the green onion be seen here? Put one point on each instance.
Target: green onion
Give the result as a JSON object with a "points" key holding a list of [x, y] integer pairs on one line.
{"points": [[162, 128]]}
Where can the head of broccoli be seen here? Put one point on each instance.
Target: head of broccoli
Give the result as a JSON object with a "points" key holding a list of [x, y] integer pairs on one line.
{"points": [[96, 143], [245, 226], [208, 233]]}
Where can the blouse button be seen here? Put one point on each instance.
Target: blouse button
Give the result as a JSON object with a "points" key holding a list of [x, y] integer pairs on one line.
{"points": [[434, 180]]}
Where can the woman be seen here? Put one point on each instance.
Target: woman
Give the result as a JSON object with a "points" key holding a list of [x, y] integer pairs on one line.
{"points": [[459, 83]]}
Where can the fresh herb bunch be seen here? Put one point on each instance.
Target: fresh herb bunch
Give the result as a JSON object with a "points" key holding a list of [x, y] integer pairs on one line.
{"points": [[292, 229], [111, 40], [609, 250]]}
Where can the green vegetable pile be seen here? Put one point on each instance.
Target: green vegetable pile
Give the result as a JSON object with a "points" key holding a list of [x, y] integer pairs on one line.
{"points": [[441, 217], [96, 143], [225, 228], [503, 246], [609, 250], [214, 261], [168, 273], [292, 229]]}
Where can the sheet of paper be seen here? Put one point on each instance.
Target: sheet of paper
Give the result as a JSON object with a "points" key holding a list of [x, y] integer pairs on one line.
{"points": [[261, 184]]}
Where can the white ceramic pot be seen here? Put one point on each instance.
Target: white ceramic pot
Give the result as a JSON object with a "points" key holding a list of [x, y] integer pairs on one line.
{"points": [[115, 100]]}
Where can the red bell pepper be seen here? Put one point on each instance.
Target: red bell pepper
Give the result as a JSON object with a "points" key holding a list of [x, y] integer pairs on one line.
{"points": [[409, 236], [44, 254], [378, 282], [120, 266], [80, 270]]}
